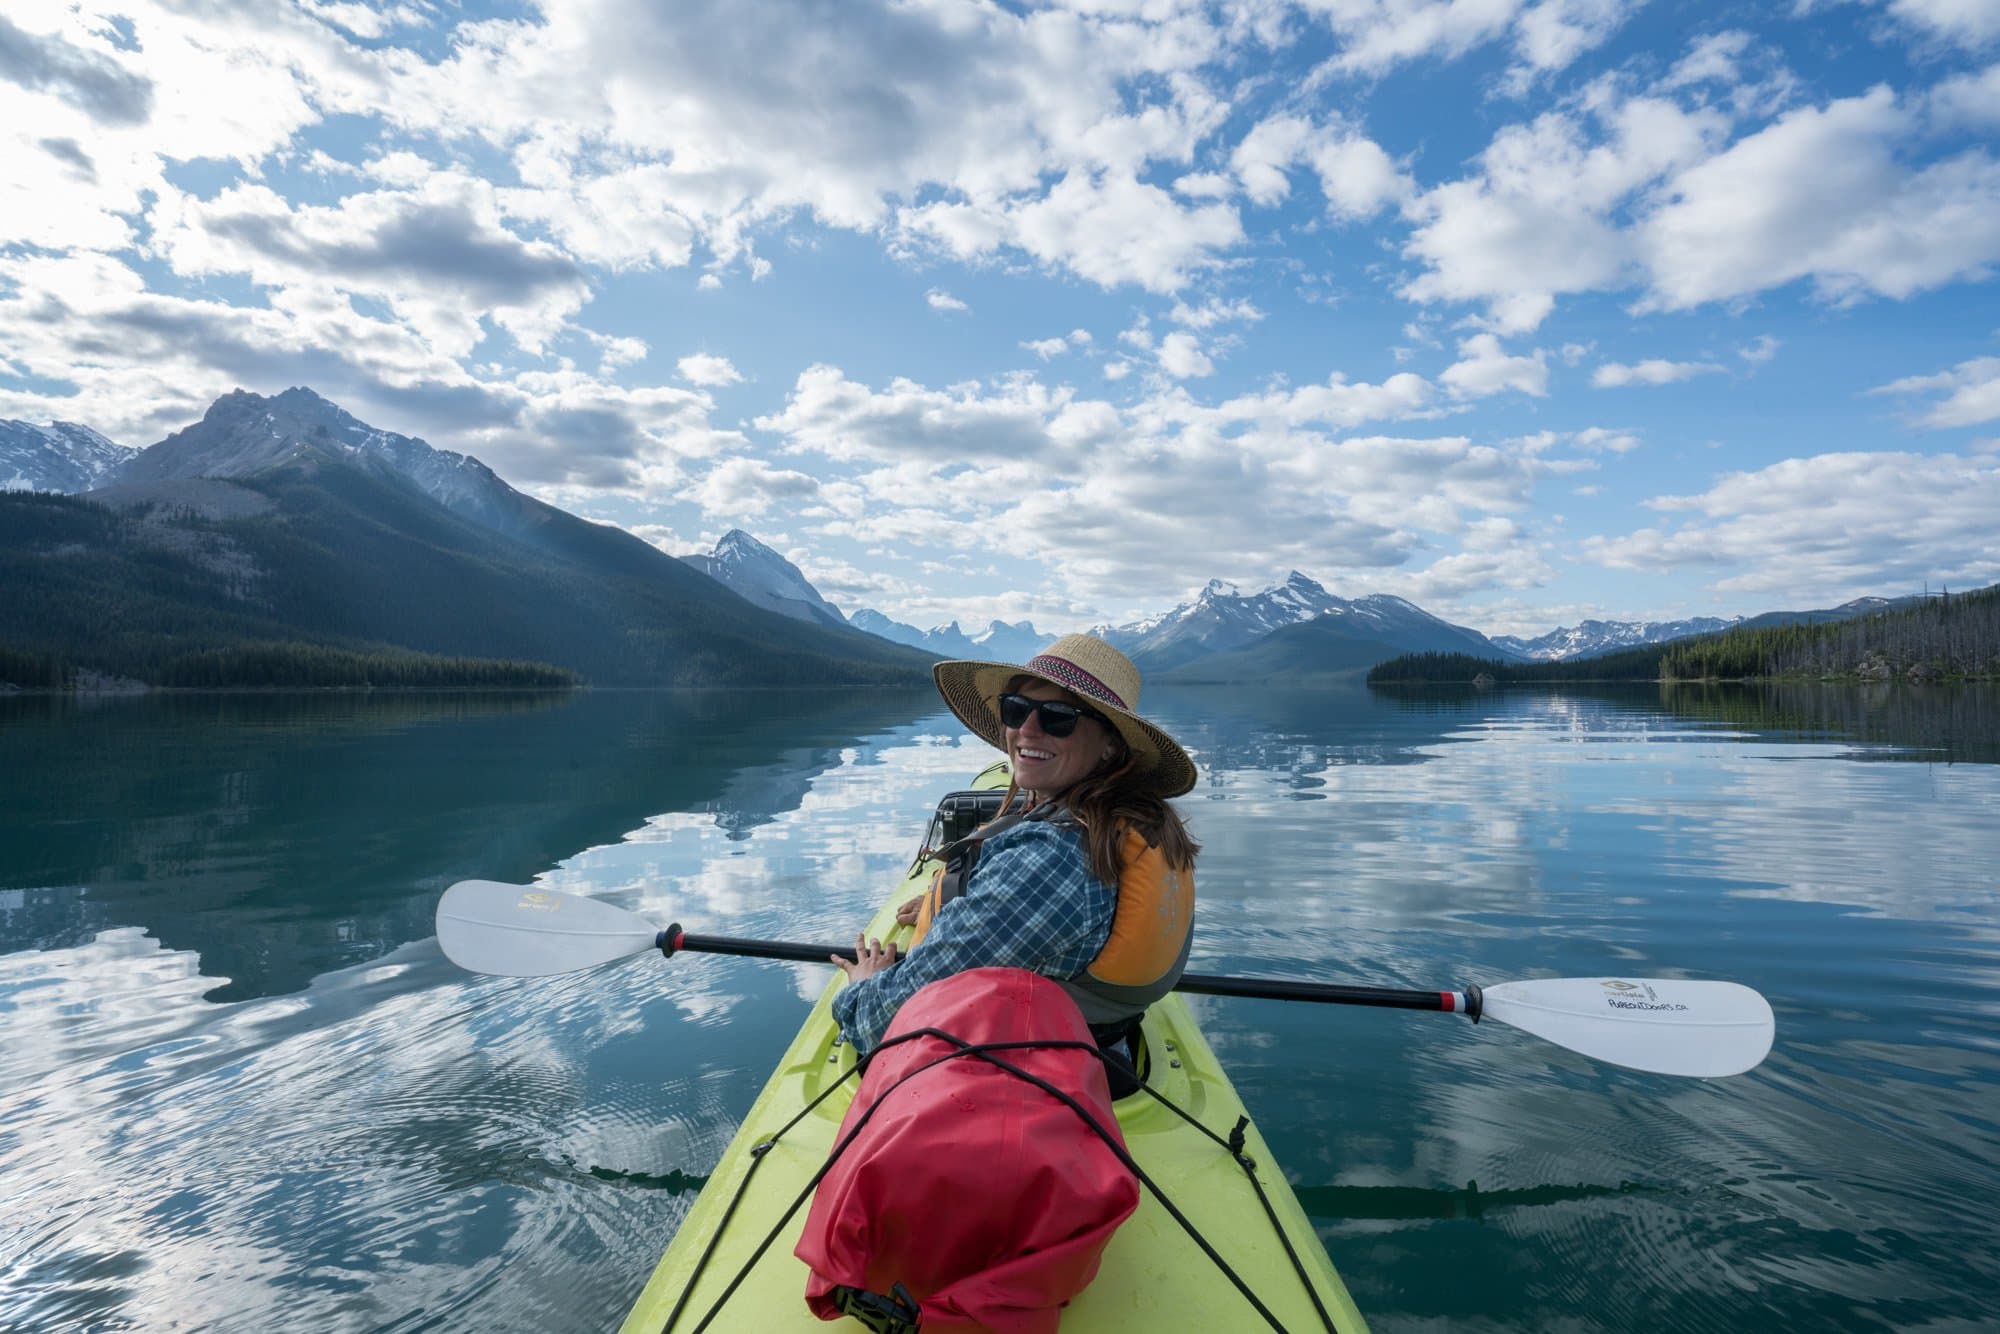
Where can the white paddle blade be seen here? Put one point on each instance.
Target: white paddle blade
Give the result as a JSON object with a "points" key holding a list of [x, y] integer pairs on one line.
{"points": [[517, 931], [1665, 1025]]}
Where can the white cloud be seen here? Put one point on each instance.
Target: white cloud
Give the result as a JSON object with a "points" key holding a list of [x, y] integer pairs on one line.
{"points": [[1539, 219], [827, 413], [440, 256], [1356, 177], [1215, 311], [1181, 356], [1378, 35], [137, 365], [1962, 22], [1969, 100], [1822, 194], [1109, 229], [1598, 439], [1484, 368], [940, 299], [1832, 526], [1251, 482], [1761, 350], [747, 487], [709, 371], [1047, 347], [1971, 393], [1653, 370]]}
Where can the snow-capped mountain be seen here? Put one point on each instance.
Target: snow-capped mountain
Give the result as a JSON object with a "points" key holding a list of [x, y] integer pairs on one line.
{"points": [[243, 434], [1222, 619], [754, 571], [1587, 638], [61, 456], [1000, 641]]}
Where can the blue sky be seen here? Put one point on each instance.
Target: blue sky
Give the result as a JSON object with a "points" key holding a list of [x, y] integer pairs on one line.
{"points": [[1527, 310]]}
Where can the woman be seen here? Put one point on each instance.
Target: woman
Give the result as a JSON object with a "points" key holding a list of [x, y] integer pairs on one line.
{"points": [[1091, 883]]}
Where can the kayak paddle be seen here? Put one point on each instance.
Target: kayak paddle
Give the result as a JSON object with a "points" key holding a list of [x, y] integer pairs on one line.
{"points": [[1668, 1026]]}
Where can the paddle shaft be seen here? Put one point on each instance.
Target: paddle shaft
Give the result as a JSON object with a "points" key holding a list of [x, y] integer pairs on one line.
{"points": [[673, 940]]}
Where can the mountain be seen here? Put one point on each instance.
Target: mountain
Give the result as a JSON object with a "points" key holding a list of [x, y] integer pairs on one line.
{"points": [[284, 519], [61, 456], [760, 575], [1222, 620], [1592, 637], [1589, 638], [1343, 643], [1000, 641]]}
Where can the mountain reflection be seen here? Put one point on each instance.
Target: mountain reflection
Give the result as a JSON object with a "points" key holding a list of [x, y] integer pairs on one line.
{"points": [[282, 836]]}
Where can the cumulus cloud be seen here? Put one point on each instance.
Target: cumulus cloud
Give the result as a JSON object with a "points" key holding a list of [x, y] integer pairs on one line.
{"points": [[940, 299], [747, 487], [1378, 35], [1823, 194], [1215, 311], [845, 117], [1356, 177], [1539, 218], [1961, 22], [1181, 356], [1833, 526], [440, 255], [1971, 393], [1484, 368], [826, 413], [1655, 370], [138, 365], [93, 81], [709, 371], [1110, 229], [1257, 481], [1047, 347]]}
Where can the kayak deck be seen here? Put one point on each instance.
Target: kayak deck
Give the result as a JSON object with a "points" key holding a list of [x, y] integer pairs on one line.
{"points": [[1153, 1275]]}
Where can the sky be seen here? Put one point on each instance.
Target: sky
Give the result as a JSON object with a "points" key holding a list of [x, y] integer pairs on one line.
{"points": [[1525, 310]]}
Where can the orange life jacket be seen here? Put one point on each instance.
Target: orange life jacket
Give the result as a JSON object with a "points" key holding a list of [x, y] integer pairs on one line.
{"points": [[1152, 926]]}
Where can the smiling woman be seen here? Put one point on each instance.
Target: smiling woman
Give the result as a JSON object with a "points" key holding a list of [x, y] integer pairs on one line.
{"points": [[1090, 881]]}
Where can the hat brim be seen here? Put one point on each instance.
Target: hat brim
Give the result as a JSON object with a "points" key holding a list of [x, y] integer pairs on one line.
{"points": [[972, 690]]}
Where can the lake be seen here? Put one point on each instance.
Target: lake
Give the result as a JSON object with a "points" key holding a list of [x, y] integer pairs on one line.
{"points": [[241, 1089]]}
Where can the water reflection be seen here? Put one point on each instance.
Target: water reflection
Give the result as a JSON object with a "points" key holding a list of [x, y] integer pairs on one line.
{"points": [[281, 836], [369, 1135]]}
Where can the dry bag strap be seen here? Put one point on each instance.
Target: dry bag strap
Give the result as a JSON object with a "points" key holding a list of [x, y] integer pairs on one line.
{"points": [[897, 1313]]}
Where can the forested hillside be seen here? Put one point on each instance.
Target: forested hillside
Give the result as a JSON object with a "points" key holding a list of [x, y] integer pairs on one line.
{"points": [[1947, 637], [1951, 635]]}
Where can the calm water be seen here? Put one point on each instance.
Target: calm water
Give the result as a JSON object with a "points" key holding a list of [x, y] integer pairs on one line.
{"points": [[240, 1089]]}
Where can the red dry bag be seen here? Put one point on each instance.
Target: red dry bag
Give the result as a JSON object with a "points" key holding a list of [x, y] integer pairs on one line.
{"points": [[985, 1197]]}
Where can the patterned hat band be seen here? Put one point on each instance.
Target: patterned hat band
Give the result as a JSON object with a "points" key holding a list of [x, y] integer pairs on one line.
{"points": [[1075, 678]]}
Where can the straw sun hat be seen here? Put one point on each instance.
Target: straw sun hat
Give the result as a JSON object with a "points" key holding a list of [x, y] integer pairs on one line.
{"points": [[1090, 669]]}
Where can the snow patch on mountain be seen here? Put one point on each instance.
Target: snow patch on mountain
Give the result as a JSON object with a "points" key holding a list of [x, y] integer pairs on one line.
{"points": [[63, 456], [758, 574]]}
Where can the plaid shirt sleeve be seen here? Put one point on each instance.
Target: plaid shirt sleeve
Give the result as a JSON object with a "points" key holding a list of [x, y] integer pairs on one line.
{"points": [[1030, 902]]}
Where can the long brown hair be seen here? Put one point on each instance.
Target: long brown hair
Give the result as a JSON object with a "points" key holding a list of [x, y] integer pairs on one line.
{"points": [[1106, 803]]}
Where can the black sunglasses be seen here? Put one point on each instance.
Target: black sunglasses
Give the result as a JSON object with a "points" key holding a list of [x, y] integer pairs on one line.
{"points": [[1058, 718]]}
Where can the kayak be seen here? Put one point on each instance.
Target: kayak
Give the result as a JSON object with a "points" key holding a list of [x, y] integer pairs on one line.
{"points": [[730, 1266]]}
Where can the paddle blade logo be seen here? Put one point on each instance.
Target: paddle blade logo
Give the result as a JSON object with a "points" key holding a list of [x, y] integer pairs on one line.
{"points": [[1621, 995], [537, 900]]}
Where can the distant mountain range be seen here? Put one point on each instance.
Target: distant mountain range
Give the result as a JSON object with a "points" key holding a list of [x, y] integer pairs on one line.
{"points": [[1587, 639], [286, 520]]}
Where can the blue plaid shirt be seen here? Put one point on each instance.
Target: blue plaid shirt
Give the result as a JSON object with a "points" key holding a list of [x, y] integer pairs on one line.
{"points": [[1030, 902]]}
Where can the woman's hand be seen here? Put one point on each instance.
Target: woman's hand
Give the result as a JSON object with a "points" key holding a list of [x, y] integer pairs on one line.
{"points": [[907, 914], [870, 958]]}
